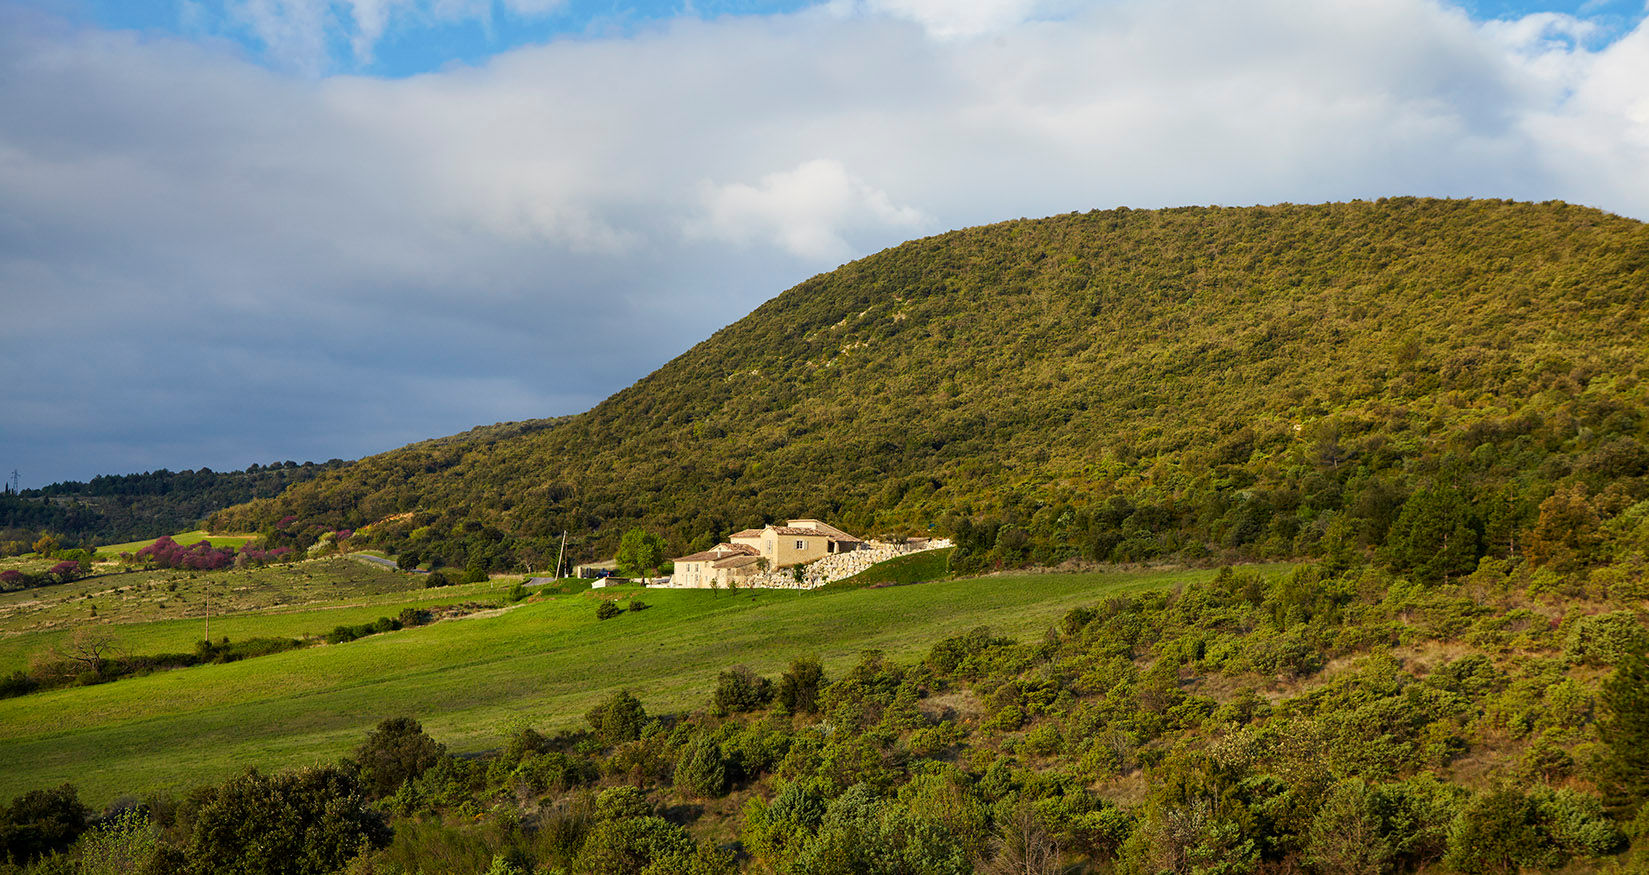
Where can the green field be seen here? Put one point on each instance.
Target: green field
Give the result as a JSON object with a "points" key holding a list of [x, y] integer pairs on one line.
{"points": [[165, 611], [184, 538], [546, 661]]}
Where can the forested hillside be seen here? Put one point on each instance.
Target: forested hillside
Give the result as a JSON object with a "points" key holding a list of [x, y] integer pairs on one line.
{"points": [[125, 507], [1408, 378]]}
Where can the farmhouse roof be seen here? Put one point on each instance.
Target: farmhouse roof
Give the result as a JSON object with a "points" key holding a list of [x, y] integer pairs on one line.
{"points": [[720, 551], [739, 561], [824, 529], [748, 533]]}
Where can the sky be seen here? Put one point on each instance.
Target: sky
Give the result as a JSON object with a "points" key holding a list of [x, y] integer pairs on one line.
{"points": [[238, 231]]}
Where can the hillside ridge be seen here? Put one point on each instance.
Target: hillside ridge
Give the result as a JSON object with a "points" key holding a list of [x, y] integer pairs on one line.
{"points": [[1111, 385]]}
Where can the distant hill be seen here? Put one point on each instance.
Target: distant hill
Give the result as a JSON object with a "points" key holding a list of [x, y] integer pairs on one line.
{"points": [[1412, 377], [125, 507]]}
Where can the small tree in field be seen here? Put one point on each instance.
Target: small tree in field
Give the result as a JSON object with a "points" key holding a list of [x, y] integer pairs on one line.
{"points": [[46, 544], [640, 552]]}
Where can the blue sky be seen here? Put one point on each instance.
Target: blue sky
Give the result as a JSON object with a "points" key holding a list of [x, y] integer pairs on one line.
{"points": [[428, 35], [237, 231]]}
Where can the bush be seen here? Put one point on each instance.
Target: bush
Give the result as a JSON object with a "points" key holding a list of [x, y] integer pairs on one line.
{"points": [[308, 822], [1497, 832], [618, 719], [739, 689], [435, 579], [41, 822], [397, 750], [703, 769], [799, 686], [607, 610]]}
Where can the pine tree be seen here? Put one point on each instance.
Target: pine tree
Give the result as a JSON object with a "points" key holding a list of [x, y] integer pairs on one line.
{"points": [[1625, 728]]}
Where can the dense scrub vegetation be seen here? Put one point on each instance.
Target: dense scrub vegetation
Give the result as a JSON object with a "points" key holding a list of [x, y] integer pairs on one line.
{"points": [[1414, 379], [128, 507], [1326, 720]]}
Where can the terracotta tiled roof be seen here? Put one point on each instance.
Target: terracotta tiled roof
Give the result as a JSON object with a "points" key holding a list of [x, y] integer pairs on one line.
{"points": [[720, 551], [827, 529], [748, 533], [793, 530], [737, 561]]}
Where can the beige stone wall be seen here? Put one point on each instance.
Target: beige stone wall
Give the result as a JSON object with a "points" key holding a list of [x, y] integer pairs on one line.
{"points": [[782, 550], [692, 575]]}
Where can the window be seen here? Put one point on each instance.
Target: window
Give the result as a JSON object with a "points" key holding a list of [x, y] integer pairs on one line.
{"points": [[801, 545]]}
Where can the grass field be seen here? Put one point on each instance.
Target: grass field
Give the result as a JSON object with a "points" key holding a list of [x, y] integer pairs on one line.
{"points": [[164, 611], [546, 661], [184, 538]]}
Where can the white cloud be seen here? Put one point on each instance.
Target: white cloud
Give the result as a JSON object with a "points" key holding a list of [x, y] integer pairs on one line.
{"points": [[550, 225], [809, 211], [949, 19]]}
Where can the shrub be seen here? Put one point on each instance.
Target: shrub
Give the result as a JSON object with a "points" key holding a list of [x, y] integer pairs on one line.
{"points": [[41, 822], [1605, 638], [397, 750], [739, 689], [435, 579], [617, 719], [306, 822], [607, 609], [799, 686], [703, 769], [1497, 832]]}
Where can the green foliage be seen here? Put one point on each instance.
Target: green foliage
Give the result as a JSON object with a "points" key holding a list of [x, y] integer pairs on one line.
{"points": [[606, 609], [396, 751], [122, 845], [799, 686], [704, 769], [1624, 727], [113, 508], [640, 553], [1409, 379], [739, 689], [619, 718], [307, 822], [41, 822]]}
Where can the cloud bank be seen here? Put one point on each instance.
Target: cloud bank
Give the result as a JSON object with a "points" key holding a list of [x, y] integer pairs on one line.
{"points": [[206, 262]]}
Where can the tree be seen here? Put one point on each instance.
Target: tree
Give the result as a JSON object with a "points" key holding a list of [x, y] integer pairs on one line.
{"points": [[123, 845], [47, 544], [1624, 726], [1433, 537], [618, 719], [799, 686], [1348, 834], [91, 646], [41, 822], [703, 769], [66, 570], [396, 751], [640, 552], [1022, 847], [739, 689], [1567, 534], [1500, 832], [307, 822]]}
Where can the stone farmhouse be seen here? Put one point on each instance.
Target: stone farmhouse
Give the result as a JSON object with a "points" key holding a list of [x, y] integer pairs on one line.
{"points": [[755, 551]]}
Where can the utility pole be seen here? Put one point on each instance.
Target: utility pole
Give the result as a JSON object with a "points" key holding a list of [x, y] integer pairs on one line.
{"points": [[559, 555]]}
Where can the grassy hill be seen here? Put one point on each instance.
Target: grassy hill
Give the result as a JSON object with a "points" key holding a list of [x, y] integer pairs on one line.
{"points": [[1116, 385]]}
